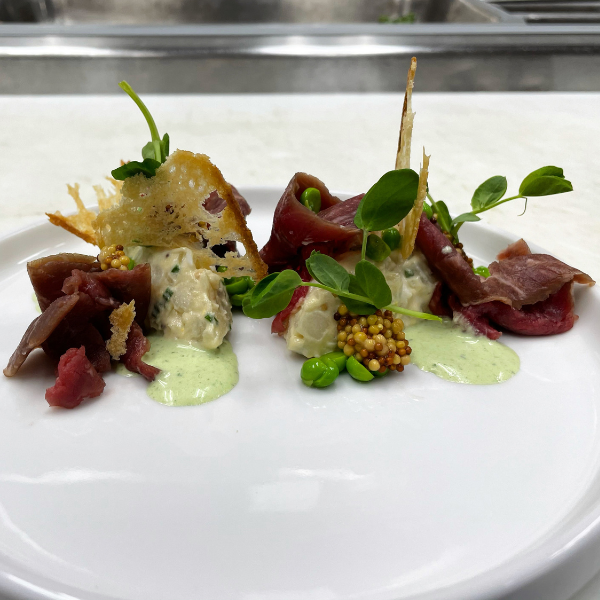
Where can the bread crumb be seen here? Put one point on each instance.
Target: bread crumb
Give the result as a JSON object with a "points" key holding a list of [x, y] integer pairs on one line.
{"points": [[120, 319]]}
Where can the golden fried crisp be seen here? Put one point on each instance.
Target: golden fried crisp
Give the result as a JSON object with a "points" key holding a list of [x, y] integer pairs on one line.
{"points": [[167, 211], [409, 226], [120, 319], [80, 224]]}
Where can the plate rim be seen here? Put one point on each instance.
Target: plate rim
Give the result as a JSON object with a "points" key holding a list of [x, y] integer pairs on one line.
{"points": [[553, 552]]}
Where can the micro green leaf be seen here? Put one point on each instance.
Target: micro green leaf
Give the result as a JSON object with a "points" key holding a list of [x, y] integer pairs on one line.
{"points": [[489, 192], [356, 306], [327, 271], [271, 295], [443, 215], [547, 185], [377, 249], [464, 218], [372, 281], [147, 168], [542, 172], [388, 201]]}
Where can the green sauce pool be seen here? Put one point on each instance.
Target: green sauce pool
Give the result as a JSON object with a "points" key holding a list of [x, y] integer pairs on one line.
{"points": [[189, 374], [452, 354]]}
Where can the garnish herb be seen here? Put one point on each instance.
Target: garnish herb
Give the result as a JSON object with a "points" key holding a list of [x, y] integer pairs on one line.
{"points": [[386, 203], [363, 293], [175, 269], [154, 153], [546, 181]]}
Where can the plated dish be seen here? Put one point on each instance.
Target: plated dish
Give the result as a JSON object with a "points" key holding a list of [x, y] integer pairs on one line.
{"points": [[342, 279], [404, 486]]}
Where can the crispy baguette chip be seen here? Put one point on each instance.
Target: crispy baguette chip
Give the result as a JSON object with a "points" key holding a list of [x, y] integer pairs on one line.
{"points": [[406, 123], [120, 319], [80, 224], [409, 226], [410, 223], [167, 211]]}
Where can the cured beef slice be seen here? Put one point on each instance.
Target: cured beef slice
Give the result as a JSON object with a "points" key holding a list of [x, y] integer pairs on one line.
{"points": [[77, 379], [137, 346], [296, 228]]}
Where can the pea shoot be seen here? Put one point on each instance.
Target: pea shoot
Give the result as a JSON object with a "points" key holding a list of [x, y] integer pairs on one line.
{"points": [[154, 153], [546, 181]]}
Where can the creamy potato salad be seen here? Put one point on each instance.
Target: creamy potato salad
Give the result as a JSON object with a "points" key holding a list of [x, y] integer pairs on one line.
{"points": [[187, 303], [312, 329]]}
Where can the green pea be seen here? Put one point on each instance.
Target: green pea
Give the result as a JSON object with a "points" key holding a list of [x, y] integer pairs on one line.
{"points": [[238, 286], [237, 299], [392, 238], [483, 271], [319, 372], [339, 358], [311, 198], [358, 371], [378, 374], [221, 269], [377, 249], [131, 264]]}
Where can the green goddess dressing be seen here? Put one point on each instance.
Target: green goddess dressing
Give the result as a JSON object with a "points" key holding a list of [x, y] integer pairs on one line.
{"points": [[189, 374], [447, 351]]}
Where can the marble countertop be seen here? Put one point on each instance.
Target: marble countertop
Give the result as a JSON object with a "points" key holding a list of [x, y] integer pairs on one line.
{"points": [[348, 141]]}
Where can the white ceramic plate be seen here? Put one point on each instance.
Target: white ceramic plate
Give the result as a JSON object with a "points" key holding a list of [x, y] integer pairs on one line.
{"points": [[410, 488]]}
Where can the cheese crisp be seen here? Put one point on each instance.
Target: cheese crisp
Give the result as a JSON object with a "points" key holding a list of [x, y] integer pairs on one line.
{"points": [[167, 211]]}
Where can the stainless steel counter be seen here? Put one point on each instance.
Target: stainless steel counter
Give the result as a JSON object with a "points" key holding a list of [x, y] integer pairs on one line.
{"points": [[297, 58]]}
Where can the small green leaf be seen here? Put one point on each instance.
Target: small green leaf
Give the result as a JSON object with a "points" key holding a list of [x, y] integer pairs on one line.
{"points": [[489, 192], [271, 295], [327, 271], [427, 210], [543, 172], [464, 218], [147, 168], [148, 151], [164, 146], [372, 281], [377, 249], [443, 216], [175, 269], [388, 201], [356, 306], [547, 185]]}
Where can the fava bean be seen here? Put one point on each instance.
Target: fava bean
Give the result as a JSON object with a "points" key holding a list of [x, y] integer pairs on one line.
{"points": [[319, 372], [358, 371]]}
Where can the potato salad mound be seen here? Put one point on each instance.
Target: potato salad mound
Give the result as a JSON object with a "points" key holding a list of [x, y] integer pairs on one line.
{"points": [[187, 303], [312, 329]]}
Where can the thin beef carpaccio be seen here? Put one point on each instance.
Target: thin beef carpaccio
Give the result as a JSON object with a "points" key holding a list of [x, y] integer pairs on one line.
{"points": [[297, 231], [76, 299], [526, 293]]}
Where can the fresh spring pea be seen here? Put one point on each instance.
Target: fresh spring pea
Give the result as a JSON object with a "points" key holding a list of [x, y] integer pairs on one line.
{"points": [[238, 286], [311, 198], [319, 372], [237, 299], [391, 237], [131, 264], [483, 271], [358, 371], [378, 374], [339, 358], [221, 269], [377, 249]]}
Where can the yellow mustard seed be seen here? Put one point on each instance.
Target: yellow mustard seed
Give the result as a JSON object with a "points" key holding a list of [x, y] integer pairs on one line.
{"points": [[343, 310], [360, 337], [371, 319], [374, 365], [369, 344], [348, 350], [115, 263], [405, 360]]}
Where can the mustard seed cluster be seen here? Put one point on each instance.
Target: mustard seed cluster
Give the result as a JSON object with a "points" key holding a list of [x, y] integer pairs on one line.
{"points": [[377, 340], [113, 257]]}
